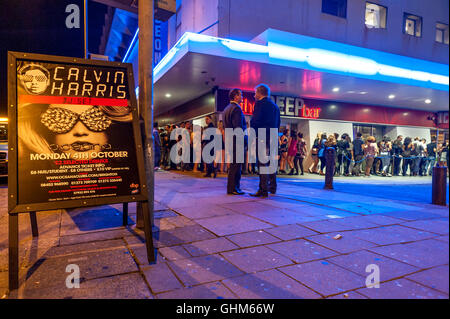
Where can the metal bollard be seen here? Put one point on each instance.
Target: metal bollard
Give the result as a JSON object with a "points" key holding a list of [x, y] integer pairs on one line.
{"points": [[439, 190], [330, 166]]}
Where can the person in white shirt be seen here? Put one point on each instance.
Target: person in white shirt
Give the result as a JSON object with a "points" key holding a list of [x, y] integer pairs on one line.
{"points": [[416, 154]]}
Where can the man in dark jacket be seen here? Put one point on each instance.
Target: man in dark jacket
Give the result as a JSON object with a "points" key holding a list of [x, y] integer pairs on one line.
{"points": [[157, 145], [210, 169], [265, 115], [234, 118], [432, 153], [358, 153], [397, 150]]}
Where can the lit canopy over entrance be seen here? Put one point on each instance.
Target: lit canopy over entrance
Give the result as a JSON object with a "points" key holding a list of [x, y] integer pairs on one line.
{"points": [[297, 65]]}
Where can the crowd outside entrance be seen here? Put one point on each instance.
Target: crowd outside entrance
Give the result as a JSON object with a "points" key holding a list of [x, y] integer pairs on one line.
{"points": [[404, 156]]}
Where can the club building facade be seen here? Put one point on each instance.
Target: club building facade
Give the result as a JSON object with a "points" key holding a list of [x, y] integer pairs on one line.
{"points": [[377, 67]]}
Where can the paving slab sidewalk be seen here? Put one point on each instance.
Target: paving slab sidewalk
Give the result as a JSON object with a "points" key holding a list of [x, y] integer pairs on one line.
{"points": [[212, 245]]}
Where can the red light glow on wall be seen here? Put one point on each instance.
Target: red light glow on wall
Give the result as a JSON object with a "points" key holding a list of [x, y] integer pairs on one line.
{"points": [[312, 81], [249, 73]]}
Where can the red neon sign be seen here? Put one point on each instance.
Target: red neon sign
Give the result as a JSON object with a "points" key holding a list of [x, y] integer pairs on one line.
{"points": [[247, 106], [305, 112], [311, 112], [299, 109]]}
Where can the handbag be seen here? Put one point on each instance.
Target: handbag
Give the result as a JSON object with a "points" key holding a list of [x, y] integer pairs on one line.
{"points": [[351, 166], [315, 148], [406, 153], [321, 152]]}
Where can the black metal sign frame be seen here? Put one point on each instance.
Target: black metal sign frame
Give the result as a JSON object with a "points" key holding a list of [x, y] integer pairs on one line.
{"points": [[14, 208]]}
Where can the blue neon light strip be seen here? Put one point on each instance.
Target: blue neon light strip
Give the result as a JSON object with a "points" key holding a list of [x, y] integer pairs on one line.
{"points": [[131, 47], [315, 54]]}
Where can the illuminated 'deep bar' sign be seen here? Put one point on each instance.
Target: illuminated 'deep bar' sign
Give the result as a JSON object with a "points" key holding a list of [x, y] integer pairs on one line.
{"points": [[295, 106], [289, 106]]}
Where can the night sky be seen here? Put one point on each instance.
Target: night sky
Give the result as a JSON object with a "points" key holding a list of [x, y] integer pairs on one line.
{"points": [[38, 26], [96, 21]]}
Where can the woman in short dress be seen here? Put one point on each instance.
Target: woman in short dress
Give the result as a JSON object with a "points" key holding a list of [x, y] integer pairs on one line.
{"points": [[443, 156], [370, 152], [292, 151], [301, 154], [313, 168], [283, 151]]}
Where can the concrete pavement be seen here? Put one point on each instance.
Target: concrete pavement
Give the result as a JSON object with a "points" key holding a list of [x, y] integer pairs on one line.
{"points": [[212, 245]]}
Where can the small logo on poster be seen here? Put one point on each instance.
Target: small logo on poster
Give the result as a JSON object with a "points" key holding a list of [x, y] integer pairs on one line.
{"points": [[134, 188], [34, 78]]}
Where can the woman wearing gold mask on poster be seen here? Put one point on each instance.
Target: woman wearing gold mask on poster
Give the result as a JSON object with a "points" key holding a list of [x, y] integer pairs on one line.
{"points": [[71, 129], [57, 133]]}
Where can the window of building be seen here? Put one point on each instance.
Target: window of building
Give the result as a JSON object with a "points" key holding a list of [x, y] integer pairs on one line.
{"points": [[375, 16], [335, 7], [366, 130], [178, 23], [178, 17], [439, 135], [412, 25], [442, 33], [3, 132]]}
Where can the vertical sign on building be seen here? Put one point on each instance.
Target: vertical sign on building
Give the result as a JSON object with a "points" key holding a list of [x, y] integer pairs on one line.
{"points": [[159, 41]]}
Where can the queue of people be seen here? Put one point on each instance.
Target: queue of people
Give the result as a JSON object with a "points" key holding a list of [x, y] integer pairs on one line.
{"points": [[361, 157], [266, 116], [164, 144], [366, 157], [210, 170]]}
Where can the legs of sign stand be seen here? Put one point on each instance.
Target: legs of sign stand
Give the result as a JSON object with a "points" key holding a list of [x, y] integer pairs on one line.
{"points": [[34, 226], [13, 237], [125, 214], [13, 251], [148, 232], [139, 218]]}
